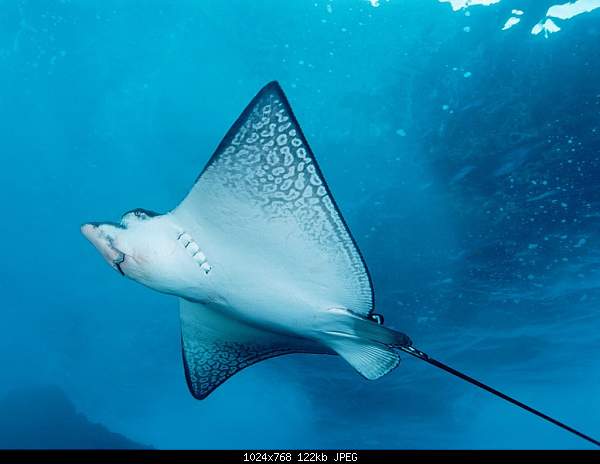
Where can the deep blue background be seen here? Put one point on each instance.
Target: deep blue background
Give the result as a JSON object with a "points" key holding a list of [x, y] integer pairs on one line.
{"points": [[476, 202]]}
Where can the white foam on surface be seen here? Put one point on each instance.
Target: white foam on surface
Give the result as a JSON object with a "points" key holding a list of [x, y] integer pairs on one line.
{"points": [[547, 27], [510, 22], [462, 4], [563, 11], [569, 10]]}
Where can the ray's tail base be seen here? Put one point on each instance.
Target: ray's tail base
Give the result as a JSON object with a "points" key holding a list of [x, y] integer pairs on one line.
{"points": [[368, 346]]}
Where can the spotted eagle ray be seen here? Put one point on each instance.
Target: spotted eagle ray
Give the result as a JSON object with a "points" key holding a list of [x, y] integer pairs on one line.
{"points": [[262, 261]]}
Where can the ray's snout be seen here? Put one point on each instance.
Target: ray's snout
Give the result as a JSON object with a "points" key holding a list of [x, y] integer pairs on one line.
{"points": [[94, 234], [101, 237], [88, 231]]}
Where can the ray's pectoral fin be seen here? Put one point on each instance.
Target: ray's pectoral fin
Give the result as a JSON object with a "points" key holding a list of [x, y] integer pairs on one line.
{"points": [[215, 347], [263, 192]]}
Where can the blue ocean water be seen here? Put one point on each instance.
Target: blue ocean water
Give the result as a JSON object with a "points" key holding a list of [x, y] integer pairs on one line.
{"points": [[464, 157]]}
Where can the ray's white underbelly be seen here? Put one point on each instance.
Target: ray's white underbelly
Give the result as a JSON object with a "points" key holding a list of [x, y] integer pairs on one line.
{"points": [[265, 302], [254, 285]]}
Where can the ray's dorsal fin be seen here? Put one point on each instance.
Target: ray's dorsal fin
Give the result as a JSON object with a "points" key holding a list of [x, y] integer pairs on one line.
{"points": [[215, 346], [263, 191]]}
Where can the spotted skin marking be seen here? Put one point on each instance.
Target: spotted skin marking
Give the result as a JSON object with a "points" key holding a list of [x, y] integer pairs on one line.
{"points": [[263, 190], [265, 160], [216, 347], [208, 365]]}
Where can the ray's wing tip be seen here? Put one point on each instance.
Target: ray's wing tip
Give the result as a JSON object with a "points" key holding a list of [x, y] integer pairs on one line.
{"points": [[196, 394], [188, 379], [271, 87], [199, 396]]}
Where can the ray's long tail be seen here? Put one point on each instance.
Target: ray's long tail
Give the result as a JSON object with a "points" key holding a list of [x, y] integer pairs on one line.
{"points": [[372, 349], [434, 362]]}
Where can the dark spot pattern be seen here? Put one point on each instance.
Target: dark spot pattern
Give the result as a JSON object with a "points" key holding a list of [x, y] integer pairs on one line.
{"points": [[208, 365], [265, 161], [208, 362]]}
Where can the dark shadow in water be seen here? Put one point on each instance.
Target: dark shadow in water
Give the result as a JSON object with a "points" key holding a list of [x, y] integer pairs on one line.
{"points": [[43, 417]]}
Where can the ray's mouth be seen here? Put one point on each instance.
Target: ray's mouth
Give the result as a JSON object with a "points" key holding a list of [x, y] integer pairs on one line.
{"points": [[120, 256], [117, 263]]}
